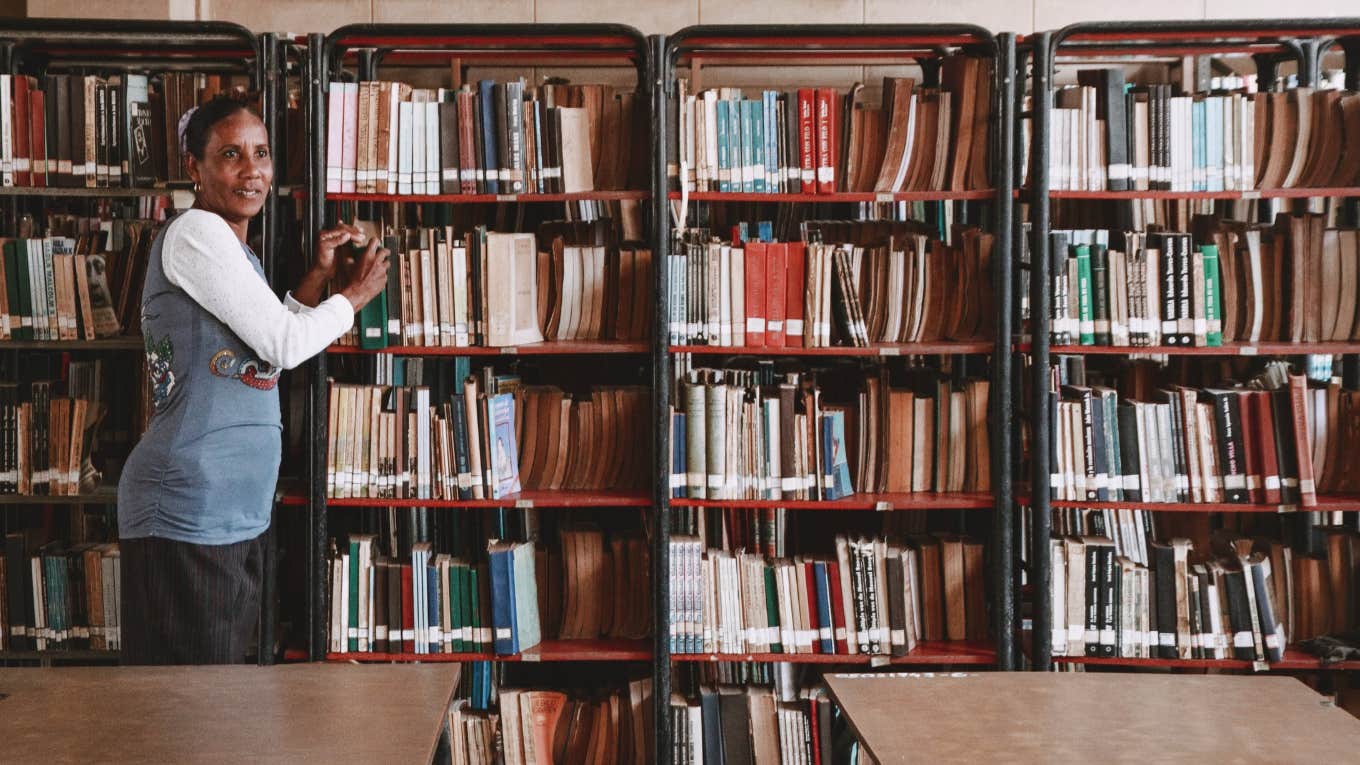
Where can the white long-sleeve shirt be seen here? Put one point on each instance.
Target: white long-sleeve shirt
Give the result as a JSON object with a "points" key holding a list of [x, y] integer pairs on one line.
{"points": [[202, 256]]}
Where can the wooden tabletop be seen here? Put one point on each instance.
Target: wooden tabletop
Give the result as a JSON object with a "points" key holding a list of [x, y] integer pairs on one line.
{"points": [[323, 713], [1019, 717]]}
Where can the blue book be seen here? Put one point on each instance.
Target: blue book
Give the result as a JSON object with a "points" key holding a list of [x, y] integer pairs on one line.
{"points": [[1197, 134], [825, 626], [1213, 126], [486, 105], [504, 449], [527, 630], [724, 151], [758, 146], [460, 446], [501, 565], [765, 231], [432, 591], [734, 139], [678, 470], [834, 456], [746, 159]]}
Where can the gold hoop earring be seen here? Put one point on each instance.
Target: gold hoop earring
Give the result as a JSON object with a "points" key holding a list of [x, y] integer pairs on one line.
{"points": [[196, 187]]}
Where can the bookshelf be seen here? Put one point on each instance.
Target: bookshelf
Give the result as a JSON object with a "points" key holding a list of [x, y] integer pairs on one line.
{"points": [[356, 52], [720, 53], [1268, 44], [39, 46]]}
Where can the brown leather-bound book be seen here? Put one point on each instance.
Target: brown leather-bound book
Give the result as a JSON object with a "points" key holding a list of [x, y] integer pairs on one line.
{"points": [[1298, 281], [974, 590], [364, 139], [1301, 110], [468, 170], [920, 166], [1276, 137], [643, 299], [1341, 570], [1328, 462], [923, 445], [1347, 306], [932, 587], [899, 105], [619, 301], [979, 443], [939, 177], [1317, 280], [1347, 172], [958, 78], [982, 120], [1324, 146], [1298, 392], [1330, 284]]}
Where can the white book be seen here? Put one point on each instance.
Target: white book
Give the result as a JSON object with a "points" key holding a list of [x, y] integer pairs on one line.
{"points": [[405, 148], [433, 171], [418, 155]]}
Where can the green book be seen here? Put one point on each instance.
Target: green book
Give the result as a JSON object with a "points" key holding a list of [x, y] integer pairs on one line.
{"points": [[372, 323], [1213, 296], [352, 633], [23, 304], [772, 610], [1085, 296], [455, 608], [526, 597], [1100, 293], [474, 585]]}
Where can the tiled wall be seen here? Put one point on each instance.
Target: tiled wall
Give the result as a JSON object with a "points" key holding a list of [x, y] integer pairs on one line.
{"points": [[652, 16]]}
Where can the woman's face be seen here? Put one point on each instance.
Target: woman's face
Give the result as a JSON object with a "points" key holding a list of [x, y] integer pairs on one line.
{"points": [[236, 170]]}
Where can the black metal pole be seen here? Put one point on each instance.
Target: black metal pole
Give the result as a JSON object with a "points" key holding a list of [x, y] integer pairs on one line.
{"points": [[265, 82], [316, 410], [1003, 409], [659, 83], [1041, 568]]}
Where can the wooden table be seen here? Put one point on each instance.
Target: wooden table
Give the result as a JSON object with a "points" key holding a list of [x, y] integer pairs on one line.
{"points": [[322, 713], [1076, 718]]}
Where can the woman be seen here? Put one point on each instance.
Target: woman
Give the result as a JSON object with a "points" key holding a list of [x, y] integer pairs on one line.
{"points": [[195, 496]]}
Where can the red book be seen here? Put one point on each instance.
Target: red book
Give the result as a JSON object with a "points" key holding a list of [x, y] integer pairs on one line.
{"points": [[807, 140], [1303, 446], [408, 613], [816, 734], [1251, 447], [23, 175], [776, 265], [754, 293], [1264, 414], [37, 109], [826, 141], [810, 571], [794, 274], [833, 580]]}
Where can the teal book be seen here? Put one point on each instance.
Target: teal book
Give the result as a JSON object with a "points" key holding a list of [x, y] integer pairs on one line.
{"points": [[1086, 326], [724, 150], [526, 597], [1213, 296], [746, 159], [757, 146]]}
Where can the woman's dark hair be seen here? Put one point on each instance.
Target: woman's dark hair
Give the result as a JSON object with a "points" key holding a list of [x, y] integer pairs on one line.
{"points": [[201, 122]]}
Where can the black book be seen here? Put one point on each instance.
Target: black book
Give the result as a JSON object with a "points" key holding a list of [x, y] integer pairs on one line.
{"points": [[1164, 562], [1061, 332], [19, 593], [1208, 637], [1109, 85], [1240, 614], [1082, 395], [1100, 293], [1283, 410], [393, 245], [1192, 601], [487, 141], [449, 182], [1107, 400], [1110, 590], [1228, 441], [712, 723], [1129, 458], [896, 604], [1272, 635], [736, 728], [395, 635], [1185, 315], [1095, 571]]}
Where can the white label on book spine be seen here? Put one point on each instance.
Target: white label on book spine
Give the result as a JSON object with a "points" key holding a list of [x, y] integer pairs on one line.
{"points": [[677, 480], [755, 324], [503, 633], [1107, 636], [1232, 481], [1120, 171], [1167, 639], [840, 633], [775, 326], [1130, 483], [1272, 483], [899, 637], [786, 637], [715, 481], [790, 484], [825, 174], [794, 327], [1055, 480], [880, 660], [1243, 640], [1307, 486], [824, 633]]}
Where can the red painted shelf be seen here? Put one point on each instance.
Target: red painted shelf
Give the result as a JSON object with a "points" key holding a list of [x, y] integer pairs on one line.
{"points": [[894, 501], [547, 651], [554, 348], [469, 198], [1264, 348], [523, 499], [121, 343], [1325, 503], [293, 500], [840, 196], [1292, 193], [924, 653], [884, 349], [1294, 659]]}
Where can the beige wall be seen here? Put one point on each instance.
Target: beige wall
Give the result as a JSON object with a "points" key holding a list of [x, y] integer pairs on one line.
{"points": [[668, 15]]}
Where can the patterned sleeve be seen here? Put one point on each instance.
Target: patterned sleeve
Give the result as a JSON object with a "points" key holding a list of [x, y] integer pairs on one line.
{"points": [[202, 256]]}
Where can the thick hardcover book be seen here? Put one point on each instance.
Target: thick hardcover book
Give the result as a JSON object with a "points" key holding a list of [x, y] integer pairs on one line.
{"points": [[504, 611], [1228, 437]]}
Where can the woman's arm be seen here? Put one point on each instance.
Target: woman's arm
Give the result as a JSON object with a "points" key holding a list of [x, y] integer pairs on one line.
{"points": [[202, 256]]}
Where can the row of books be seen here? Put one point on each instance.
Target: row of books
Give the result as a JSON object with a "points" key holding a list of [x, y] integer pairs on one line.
{"points": [[875, 597], [588, 584], [493, 289], [95, 132], [1294, 280], [740, 435], [822, 141], [47, 432], [1107, 136], [729, 723], [487, 442], [58, 597], [542, 727], [1245, 599], [1277, 441], [851, 283], [492, 138], [74, 287]]}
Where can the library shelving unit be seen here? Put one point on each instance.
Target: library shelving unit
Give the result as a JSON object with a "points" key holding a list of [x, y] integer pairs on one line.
{"points": [[727, 48], [1268, 43], [35, 46], [358, 51]]}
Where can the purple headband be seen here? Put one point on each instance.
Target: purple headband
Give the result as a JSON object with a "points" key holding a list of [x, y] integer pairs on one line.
{"points": [[183, 125]]}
